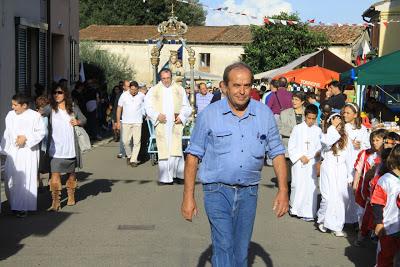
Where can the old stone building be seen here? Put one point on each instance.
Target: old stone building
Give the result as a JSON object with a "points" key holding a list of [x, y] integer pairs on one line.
{"points": [[385, 15], [215, 46]]}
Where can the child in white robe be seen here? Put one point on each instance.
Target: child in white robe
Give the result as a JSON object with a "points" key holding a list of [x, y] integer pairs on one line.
{"points": [[304, 149], [24, 131], [334, 178], [358, 137]]}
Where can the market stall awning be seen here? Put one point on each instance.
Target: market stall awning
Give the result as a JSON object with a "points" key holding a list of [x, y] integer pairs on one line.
{"points": [[384, 70], [199, 75], [323, 58], [316, 76]]}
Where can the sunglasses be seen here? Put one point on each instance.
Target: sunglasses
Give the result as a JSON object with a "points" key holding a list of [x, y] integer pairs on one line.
{"points": [[58, 93]]}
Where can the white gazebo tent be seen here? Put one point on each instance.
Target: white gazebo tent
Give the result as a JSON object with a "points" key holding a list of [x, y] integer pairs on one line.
{"points": [[199, 75]]}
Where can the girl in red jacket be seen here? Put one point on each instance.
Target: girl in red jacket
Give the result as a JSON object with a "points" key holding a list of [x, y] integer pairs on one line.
{"points": [[365, 168]]}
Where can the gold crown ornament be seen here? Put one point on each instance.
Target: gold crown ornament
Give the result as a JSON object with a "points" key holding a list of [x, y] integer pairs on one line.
{"points": [[172, 27]]}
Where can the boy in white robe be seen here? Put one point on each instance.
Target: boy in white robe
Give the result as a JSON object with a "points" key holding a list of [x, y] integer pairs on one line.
{"points": [[304, 148], [20, 142]]}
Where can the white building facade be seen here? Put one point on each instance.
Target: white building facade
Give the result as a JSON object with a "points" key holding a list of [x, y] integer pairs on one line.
{"points": [[39, 43]]}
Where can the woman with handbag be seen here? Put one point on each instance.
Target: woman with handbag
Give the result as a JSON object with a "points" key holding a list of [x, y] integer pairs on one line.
{"points": [[63, 146]]}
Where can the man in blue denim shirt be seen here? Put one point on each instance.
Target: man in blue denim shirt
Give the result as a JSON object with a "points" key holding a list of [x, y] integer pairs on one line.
{"points": [[230, 139]]}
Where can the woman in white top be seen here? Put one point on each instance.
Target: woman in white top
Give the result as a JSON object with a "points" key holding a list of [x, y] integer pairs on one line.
{"points": [[63, 147]]}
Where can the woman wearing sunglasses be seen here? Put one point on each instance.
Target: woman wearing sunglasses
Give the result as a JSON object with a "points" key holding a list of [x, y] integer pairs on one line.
{"points": [[63, 147]]}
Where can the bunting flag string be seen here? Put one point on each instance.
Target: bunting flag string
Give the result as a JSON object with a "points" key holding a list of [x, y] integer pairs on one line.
{"points": [[269, 21]]}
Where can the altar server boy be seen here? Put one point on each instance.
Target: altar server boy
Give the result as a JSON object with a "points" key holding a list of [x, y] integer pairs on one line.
{"points": [[304, 149], [24, 131]]}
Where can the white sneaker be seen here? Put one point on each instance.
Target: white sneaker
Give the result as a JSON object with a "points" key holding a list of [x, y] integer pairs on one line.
{"points": [[338, 233], [322, 228], [307, 219]]}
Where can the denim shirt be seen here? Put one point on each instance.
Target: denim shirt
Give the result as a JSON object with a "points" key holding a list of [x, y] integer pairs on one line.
{"points": [[202, 101], [232, 149]]}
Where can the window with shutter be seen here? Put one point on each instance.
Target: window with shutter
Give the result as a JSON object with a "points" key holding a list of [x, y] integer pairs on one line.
{"points": [[42, 71], [28, 62], [30, 54], [205, 59], [21, 68]]}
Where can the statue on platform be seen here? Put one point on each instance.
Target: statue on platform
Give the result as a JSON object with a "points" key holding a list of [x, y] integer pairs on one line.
{"points": [[175, 65]]}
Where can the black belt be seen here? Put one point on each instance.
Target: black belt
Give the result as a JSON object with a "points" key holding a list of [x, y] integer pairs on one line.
{"points": [[234, 185]]}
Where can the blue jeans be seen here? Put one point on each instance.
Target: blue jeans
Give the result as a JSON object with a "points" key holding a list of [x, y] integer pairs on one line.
{"points": [[231, 212]]}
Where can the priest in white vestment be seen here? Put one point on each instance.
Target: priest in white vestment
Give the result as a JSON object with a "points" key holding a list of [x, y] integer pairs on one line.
{"points": [[304, 149], [168, 107], [24, 131]]}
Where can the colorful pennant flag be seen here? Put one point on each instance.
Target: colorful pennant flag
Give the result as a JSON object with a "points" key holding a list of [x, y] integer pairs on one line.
{"points": [[269, 21]]}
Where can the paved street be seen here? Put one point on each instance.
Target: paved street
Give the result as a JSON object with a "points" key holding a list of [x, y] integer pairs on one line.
{"points": [[123, 218]]}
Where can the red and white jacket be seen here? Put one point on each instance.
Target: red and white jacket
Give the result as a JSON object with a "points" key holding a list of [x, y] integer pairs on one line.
{"points": [[365, 161], [386, 194]]}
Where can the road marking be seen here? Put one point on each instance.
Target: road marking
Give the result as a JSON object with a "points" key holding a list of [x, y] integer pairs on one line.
{"points": [[147, 227]]}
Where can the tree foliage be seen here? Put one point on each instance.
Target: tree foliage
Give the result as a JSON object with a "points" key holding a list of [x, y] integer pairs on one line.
{"points": [[104, 66], [275, 45], [138, 12]]}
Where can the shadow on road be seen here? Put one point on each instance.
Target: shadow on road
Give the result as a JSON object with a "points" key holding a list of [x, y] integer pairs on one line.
{"points": [[80, 176], [363, 256], [255, 250], [41, 223], [93, 188], [84, 190], [13, 230]]}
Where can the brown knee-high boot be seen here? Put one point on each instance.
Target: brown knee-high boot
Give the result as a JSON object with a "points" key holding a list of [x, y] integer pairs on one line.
{"points": [[55, 189], [71, 186]]}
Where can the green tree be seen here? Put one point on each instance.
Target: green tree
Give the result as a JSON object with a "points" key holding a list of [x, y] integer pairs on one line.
{"points": [[104, 66], [138, 12], [275, 45]]}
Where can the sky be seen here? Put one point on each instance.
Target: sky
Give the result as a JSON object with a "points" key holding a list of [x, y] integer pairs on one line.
{"points": [[326, 11]]}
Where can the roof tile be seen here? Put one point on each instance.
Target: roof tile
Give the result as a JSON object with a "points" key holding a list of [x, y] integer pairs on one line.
{"points": [[345, 34], [206, 34]]}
